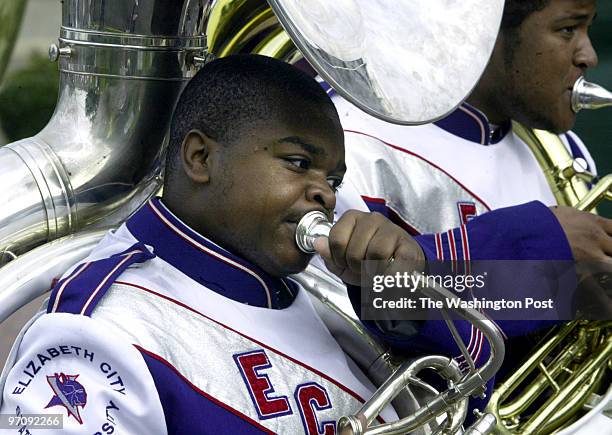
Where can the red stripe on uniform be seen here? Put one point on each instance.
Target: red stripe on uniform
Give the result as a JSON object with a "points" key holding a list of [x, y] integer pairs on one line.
{"points": [[439, 251], [465, 243], [203, 393], [295, 361], [453, 250]]}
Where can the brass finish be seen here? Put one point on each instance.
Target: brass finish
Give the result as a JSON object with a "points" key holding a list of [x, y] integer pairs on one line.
{"points": [[236, 26], [570, 187], [566, 176], [586, 352], [572, 375], [557, 164]]}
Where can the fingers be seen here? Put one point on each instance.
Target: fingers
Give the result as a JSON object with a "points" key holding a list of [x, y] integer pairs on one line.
{"points": [[321, 245], [359, 237], [601, 239], [339, 238], [589, 236], [606, 224]]}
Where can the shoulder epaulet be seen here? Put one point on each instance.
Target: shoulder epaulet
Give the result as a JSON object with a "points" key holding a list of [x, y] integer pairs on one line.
{"points": [[80, 291]]}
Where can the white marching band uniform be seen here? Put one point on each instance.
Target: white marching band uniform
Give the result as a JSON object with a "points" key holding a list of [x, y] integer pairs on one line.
{"points": [[187, 339], [438, 176]]}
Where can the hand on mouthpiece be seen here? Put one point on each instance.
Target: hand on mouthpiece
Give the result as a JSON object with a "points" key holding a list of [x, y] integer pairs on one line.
{"points": [[360, 236]]}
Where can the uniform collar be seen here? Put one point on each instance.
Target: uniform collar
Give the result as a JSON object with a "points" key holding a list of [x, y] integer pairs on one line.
{"points": [[206, 262], [471, 124], [466, 122]]}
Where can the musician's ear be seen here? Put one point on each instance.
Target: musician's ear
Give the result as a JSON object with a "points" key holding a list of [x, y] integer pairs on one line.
{"points": [[196, 150]]}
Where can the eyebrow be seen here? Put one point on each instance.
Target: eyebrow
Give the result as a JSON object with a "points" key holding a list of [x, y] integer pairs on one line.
{"points": [[313, 149], [576, 17]]}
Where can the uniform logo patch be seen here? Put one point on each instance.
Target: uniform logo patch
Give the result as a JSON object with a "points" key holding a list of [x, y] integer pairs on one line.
{"points": [[67, 393]]}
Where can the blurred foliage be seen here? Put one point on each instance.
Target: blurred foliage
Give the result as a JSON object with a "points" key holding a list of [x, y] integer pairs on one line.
{"points": [[28, 98], [11, 12], [595, 126]]}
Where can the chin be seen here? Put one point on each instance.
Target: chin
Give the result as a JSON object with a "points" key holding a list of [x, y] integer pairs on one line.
{"points": [[283, 265], [291, 268], [565, 120], [558, 125]]}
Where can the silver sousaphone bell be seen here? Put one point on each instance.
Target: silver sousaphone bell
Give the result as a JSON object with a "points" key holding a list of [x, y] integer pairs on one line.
{"points": [[403, 62]]}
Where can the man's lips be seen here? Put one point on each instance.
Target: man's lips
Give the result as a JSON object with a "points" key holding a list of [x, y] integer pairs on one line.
{"points": [[573, 82], [295, 218]]}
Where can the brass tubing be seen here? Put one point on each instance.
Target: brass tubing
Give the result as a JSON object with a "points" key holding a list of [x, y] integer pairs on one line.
{"points": [[531, 393], [503, 390], [568, 411], [602, 190], [541, 418]]}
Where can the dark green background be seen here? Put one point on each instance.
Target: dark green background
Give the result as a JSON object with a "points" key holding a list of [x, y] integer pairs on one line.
{"points": [[595, 126]]}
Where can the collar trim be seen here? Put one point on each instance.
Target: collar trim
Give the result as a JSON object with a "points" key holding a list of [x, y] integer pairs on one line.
{"points": [[471, 124], [206, 262], [206, 250]]}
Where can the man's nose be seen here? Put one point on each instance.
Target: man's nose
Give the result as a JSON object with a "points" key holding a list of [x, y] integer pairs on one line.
{"points": [[321, 192], [586, 56]]}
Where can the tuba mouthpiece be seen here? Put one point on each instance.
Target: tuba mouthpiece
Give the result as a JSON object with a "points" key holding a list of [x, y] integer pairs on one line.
{"points": [[587, 95], [313, 224]]}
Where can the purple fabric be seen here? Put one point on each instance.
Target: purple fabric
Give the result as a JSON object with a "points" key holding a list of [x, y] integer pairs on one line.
{"points": [[83, 281], [471, 124], [208, 270], [187, 411]]}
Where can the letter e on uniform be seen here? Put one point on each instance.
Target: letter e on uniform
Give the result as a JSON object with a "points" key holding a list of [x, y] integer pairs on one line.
{"points": [[251, 366]]}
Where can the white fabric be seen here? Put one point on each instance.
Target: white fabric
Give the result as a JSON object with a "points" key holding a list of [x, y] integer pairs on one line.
{"points": [[424, 171], [113, 360], [295, 340]]}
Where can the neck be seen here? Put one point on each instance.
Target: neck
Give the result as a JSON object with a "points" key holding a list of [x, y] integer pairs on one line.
{"points": [[486, 105]]}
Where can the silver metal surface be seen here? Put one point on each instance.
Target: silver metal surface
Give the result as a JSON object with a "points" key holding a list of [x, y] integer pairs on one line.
{"points": [[453, 401], [369, 353], [123, 65], [313, 224], [443, 402], [586, 95], [483, 426], [404, 62], [30, 275]]}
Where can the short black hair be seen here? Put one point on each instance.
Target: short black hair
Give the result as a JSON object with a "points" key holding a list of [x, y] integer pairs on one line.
{"points": [[231, 95], [515, 13]]}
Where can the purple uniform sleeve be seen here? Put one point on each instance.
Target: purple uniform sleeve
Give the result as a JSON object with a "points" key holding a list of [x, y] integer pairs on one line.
{"points": [[525, 232]]}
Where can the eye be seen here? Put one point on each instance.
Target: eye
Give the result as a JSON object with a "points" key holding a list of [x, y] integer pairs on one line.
{"points": [[568, 30], [334, 183], [298, 162]]}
